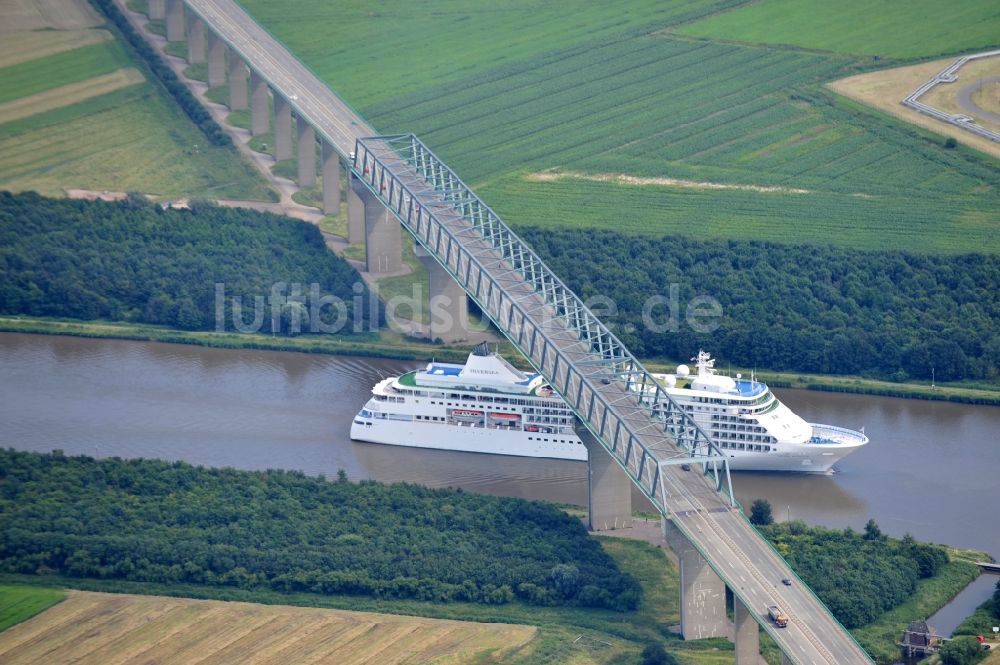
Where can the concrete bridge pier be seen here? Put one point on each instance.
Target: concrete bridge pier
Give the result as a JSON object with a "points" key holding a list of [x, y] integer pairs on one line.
{"points": [[195, 38], [216, 60], [747, 634], [157, 10], [175, 20], [703, 593], [282, 129], [237, 83], [331, 180], [260, 122], [383, 237], [306, 147], [449, 306], [609, 496], [355, 210]]}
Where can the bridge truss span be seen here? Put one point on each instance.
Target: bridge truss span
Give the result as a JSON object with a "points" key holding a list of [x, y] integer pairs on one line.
{"points": [[622, 404], [617, 399]]}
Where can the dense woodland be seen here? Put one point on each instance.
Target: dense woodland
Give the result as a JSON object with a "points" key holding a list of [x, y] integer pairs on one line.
{"points": [[134, 261], [174, 523], [793, 307], [194, 110], [858, 576]]}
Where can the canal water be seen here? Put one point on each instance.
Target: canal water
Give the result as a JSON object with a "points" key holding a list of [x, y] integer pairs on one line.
{"points": [[932, 469]]}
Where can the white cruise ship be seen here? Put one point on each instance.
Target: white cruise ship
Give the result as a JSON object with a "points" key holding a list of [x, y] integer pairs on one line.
{"points": [[488, 406], [752, 427], [484, 406]]}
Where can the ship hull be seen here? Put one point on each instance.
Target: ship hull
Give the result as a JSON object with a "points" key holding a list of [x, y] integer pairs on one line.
{"points": [[795, 458], [802, 458], [468, 439]]}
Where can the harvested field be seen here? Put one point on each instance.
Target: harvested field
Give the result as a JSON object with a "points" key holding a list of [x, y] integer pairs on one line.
{"points": [[20, 15], [104, 629], [68, 94], [24, 46], [885, 89]]}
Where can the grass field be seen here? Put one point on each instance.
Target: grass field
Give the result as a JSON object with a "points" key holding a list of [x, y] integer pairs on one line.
{"points": [[642, 102], [19, 603], [23, 46], [24, 15], [132, 139], [112, 628], [905, 30], [77, 111], [451, 39], [69, 94], [52, 71]]}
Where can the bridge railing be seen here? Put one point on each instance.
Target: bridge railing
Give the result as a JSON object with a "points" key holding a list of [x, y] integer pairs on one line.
{"points": [[608, 388]]}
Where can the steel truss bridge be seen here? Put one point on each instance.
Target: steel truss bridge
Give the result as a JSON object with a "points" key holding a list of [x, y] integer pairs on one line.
{"points": [[612, 394], [619, 402]]}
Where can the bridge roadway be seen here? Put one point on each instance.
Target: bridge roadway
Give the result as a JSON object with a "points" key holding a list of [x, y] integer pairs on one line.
{"points": [[334, 120], [731, 546]]}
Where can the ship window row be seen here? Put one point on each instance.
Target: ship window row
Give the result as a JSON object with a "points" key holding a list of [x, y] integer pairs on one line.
{"points": [[547, 419], [407, 391], [738, 428], [753, 447], [734, 402], [435, 418], [393, 416], [744, 437], [389, 398], [548, 411], [482, 398], [531, 438]]}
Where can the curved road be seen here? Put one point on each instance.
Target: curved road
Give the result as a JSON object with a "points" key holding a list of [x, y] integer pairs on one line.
{"points": [[964, 99]]}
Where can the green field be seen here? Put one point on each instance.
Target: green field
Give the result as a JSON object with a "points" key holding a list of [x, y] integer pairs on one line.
{"points": [[915, 29], [18, 603], [28, 78], [374, 53], [639, 101], [134, 138]]}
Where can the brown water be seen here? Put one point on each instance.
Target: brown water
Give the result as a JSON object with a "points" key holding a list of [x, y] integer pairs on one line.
{"points": [[932, 469]]}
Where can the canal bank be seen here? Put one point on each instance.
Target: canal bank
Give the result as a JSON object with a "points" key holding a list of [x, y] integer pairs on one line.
{"points": [[929, 471], [387, 344]]}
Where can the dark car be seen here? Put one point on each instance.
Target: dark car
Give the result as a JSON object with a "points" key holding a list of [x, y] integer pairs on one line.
{"points": [[786, 582]]}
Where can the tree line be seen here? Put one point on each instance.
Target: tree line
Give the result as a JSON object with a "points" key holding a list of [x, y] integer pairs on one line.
{"points": [[859, 576], [164, 522], [886, 314], [135, 261], [194, 110]]}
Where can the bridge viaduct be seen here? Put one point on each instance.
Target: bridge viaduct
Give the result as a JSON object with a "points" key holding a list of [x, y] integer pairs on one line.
{"points": [[232, 60], [635, 433]]}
